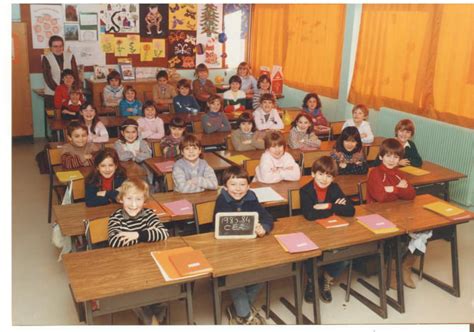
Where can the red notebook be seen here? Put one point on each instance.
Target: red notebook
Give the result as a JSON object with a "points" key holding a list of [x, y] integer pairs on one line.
{"points": [[190, 263], [179, 208], [295, 242], [165, 166], [333, 222]]}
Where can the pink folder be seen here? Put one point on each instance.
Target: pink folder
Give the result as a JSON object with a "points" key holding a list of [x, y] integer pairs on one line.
{"points": [[376, 223], [178, 208], [165, 166], [296, 242]]}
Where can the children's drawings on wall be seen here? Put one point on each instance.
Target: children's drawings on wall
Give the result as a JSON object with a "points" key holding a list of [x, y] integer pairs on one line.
{"points": [[146, 52], [154, 20], [107, 43], [46, 21], [133, 44], [159, 48], [182, 49], [182, 16], [71, 32], [70, 13], [120, 18], [86, 53], [121, 46], [209, 25]]}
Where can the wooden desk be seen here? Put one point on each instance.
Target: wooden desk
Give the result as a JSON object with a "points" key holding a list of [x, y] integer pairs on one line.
{"points": [[60, 125], [254, 154], [124, 278], [265, 260]]}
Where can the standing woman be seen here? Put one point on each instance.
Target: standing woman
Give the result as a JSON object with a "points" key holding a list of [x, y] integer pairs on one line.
{"points": [[53, 64]]}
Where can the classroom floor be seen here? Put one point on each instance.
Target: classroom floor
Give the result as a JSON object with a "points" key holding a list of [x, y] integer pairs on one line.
{"points": [[40, 293]]}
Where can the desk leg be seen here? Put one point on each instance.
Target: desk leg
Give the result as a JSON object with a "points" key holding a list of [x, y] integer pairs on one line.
{"points": [[297, 290], [382, 286], [400, 292], [446, 191], [189, 303], [89, 318], [216, 301], [316, 307]]}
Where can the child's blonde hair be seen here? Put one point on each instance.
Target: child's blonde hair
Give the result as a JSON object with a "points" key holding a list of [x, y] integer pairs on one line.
{"points": [[244, 65], [133, 184]]}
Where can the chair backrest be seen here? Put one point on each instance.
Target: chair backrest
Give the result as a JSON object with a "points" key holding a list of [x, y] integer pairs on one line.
{"points": [[373, 152], [294, 202], [197, 127], [156, 148], [204, 213], [54, 157], [230, 146], [308, 157], [336, 128], [362, 191], [169, 181], [96, 231], [250, 166]]}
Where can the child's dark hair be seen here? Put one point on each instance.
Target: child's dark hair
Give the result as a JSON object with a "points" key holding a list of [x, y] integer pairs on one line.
{"points": [[189, 140], [235, 78], [405, 124], [391, 146], [184, 83], [200, 67], [74, 125], [177, 122], [349, 134], [246, 117], [149, 104], [234, 172], [212, 99], [75, 89], [325, 164], [162, 73], [65, 73], [129, 88], [308, 97], [114, 75], [54, 38], [274, 138], [124, 125], [94, 177], [308, 117], [95, 120], [262, 78], [267, 96]]}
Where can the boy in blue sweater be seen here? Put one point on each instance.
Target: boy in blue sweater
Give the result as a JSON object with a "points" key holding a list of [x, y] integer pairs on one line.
{"points": [[185, 102], [236, 197]]}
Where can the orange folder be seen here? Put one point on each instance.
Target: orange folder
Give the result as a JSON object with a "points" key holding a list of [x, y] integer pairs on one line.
{"points": [[191, 263], [167, 269], [444, 209], [333, 222]]}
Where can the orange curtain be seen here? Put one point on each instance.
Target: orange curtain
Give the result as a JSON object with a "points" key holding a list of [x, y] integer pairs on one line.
{"points": [[418, 59], [305, 39]]}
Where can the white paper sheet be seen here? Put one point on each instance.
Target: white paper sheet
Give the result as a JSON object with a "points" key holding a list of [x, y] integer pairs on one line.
{"points": [[267, 194]]}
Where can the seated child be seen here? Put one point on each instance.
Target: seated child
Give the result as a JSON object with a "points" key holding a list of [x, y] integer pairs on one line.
{"points": [[302, 134], [185, 102], [245, 138], [129, 105], [113, 91], [150, 126], [62, 91], [404, 131], [163, 93], [349, 153], [263, 86], [78, 152], [130, 146], [132, 224], [214, 120], [97, 133], [359, 114], [386, 183], [266, 116], [249, 83], [235, 196], [234, 98], [103, 182], [170, 143], [312, 105], [203, 88], [191, 173], [321, 199], [275, 164], [70, 108]]}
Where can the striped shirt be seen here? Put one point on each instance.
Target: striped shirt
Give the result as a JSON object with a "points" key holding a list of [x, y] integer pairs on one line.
{"points": [[146, 223]]}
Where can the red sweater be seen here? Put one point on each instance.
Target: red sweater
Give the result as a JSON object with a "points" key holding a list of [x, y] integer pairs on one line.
{"points": [[61, 96], [381, 177]]}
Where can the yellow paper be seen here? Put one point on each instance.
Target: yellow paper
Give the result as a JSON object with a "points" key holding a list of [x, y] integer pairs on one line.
{"points": [[159, 48], [146, 52], [443, 209], [182, 16], [107, 43], [121, 46], [238, 159], [414, 170], [69, 175], [133, 44]]}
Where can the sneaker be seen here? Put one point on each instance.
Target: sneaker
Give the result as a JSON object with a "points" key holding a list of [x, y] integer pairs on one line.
{"points": [[309, 292], [325, 288], [254, 311], [232, 316], [254, 319], [160, 311]]}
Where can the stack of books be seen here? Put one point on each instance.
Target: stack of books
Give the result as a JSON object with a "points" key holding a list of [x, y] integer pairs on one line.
{"points": [[377, 224], [295, 242], [452, 212], [181, 263], [156, 207]]}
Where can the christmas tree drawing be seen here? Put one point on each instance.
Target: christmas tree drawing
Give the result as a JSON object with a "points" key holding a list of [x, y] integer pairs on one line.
{"points": [[209, 19]]}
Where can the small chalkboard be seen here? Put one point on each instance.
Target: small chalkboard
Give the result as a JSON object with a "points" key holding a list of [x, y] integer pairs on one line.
{"points": [[236, 225]]}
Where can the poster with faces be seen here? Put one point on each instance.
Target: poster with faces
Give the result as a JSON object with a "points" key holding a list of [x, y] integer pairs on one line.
{"points": [[46, 21]]}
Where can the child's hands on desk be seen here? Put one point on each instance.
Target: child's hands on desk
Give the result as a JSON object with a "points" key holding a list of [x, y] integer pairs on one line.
{"points": [[321, 206], [128, 237], [340, 201], [402, 184], [404, 162], [259, 230], [388, 189], [101, 193], [342, 164], [88, 156]]}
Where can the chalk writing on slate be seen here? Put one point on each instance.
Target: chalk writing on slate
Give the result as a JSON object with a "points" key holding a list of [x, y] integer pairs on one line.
{"points": [[235, 225]]}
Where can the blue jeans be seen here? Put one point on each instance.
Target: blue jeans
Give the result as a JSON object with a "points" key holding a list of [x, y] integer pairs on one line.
{"points": [[244, 297], [334, 269]]}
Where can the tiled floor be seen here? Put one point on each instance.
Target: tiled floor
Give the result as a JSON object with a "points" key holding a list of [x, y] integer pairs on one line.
{"points": [[41, 295]]}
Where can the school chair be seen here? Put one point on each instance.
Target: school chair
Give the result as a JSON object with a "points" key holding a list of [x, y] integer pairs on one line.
{"points": [[335, 129], [156, 148], [372, 152], [362, 191], [230, 146], [106, 110], [197, 127], [96, 232], [203, 213], [168, 182], [307, 158], [250, 166], [294, 201], [54, 161]]}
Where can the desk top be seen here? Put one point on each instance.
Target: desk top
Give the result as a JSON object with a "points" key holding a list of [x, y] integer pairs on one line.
{"points": [[437, 174], [106, 272], [225, 256], [108, 121], [132, 168], [411, 216], [253, 154]]}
